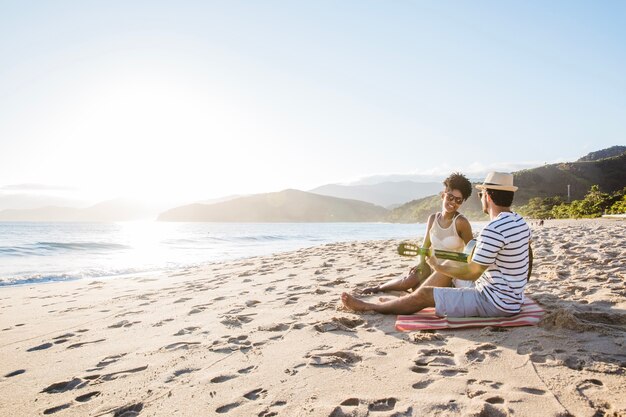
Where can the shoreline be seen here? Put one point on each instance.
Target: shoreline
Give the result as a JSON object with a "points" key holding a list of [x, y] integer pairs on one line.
{"points": [[267, 335]]}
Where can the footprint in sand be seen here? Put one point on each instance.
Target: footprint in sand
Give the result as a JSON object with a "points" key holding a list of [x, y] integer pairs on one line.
{"points": [[226, 408], [181, 372], [423, 337], [108, 361], [533, 391], [422, 384], [351, 402], [246, 370], [589, 384], [40, 347], [162, 322], [77, 345], [236, 321], [255, 394], [339, 324], [438, 360], [477, 354], [231, 344], [477, 388], [123, 323], [529, 346], [386, 404], [180, 345], [120, 374], [186, 330], [199, 308], [57, 408], [222, 378], [15, 373], [86, 397], [59, 387], [132, 410], [333, 359], [275, 327], [268, 411], [128, 313]]}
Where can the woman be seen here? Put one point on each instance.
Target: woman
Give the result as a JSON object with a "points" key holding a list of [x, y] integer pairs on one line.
{"points": [[446, 230]]}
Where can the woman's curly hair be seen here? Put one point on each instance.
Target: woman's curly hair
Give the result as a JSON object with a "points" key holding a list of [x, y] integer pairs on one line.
{"points": [[458, 181]]}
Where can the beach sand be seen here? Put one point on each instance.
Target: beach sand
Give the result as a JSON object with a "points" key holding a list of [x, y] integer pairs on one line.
{"points": [[267, 336]]}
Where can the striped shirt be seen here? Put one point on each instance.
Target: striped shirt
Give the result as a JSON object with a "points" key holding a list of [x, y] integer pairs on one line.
{"points": [[503, 246]]}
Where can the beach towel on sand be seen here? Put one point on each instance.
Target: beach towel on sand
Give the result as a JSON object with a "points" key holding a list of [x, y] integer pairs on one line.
{"points": [[427, 320]]}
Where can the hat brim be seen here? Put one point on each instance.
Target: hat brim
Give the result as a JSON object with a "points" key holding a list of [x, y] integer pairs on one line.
{"points": [[496, 187]]}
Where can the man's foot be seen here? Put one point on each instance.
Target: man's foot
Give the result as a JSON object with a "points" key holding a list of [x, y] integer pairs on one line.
{"points": [[354, 303]]}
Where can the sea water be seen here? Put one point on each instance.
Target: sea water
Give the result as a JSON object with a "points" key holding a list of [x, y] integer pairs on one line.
{"points": [[34, 252]]}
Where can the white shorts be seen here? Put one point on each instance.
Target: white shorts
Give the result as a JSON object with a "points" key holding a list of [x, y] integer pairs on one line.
{"points": [[462, 283], [464, 302]]}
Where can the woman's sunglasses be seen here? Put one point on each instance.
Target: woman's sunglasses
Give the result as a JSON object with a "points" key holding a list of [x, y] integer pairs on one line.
{"points": [[452, 197]]}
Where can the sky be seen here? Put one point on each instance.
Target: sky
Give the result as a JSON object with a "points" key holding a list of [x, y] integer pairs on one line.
{"points": [[193, 100]]}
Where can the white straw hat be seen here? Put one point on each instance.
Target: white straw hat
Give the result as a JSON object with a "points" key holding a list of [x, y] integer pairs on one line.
{"points": [[498, 181]]}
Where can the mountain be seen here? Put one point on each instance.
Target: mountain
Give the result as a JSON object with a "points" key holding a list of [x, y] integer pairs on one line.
{"points": [[384, 194], [552, 180], [284, 206], [31, 201], [604, 153], [106, 211], [545, 181]]}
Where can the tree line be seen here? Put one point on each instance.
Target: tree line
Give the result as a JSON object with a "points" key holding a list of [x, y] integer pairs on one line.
{"points": [[595, 204]]}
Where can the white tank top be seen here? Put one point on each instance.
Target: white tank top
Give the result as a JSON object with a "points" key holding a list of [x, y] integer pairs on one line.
{"points": [[446, 239]]}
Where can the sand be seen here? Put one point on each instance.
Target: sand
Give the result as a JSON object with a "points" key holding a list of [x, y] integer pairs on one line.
{"points": [[267, 336]]}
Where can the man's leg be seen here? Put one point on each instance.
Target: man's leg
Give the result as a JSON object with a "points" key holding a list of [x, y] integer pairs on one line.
{"points": [[437, 279], [408, 304]]}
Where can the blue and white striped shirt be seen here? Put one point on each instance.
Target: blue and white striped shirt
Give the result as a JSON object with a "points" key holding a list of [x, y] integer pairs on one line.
{"points": [[503, 246]]}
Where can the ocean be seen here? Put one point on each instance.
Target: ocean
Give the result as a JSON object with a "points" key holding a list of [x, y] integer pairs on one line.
{"points": [[33, 252]]}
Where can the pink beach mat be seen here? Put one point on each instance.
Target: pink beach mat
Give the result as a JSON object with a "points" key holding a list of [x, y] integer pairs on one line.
{"points": [[426, 319]]}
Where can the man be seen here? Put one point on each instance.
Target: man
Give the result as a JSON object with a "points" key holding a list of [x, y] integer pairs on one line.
{"points": [[499, 267]]}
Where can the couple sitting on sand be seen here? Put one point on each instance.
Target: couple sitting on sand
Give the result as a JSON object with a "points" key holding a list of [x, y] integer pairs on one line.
{"points": [[491, 284]]}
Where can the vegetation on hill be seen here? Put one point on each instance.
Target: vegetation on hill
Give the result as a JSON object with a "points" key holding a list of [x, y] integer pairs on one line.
{"points": [[595, 204], [553, 180], [604, 153]]}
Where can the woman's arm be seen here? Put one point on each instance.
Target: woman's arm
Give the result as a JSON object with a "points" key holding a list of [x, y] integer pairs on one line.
{"points": [[464, 229], [412, 279], [431, 219]]}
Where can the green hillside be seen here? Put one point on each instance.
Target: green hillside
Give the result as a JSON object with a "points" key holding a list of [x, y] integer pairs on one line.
{"points": [[552, 180], [545, 181]]}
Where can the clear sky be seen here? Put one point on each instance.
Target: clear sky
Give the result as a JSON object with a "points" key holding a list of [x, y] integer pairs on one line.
{"points": [[201, 99]]}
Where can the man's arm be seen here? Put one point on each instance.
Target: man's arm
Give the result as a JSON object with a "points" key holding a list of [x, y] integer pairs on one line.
{"points": [[468, 271]]}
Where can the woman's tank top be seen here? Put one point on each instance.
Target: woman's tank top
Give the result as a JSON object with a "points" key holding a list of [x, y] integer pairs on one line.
{"points": [[446, 239]]}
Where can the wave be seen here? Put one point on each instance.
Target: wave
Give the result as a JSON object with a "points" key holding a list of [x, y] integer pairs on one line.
{"points": [[71, 276], [51, 248]]}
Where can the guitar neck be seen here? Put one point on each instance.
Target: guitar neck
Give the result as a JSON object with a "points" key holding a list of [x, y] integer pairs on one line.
{"points": [[451, 256], [410, 249]]}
